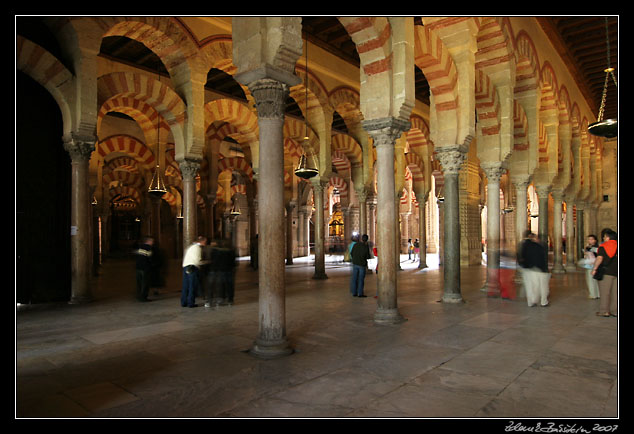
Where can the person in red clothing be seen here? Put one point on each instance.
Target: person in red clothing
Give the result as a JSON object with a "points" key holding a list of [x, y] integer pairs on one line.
{"points": [[607, 257]]}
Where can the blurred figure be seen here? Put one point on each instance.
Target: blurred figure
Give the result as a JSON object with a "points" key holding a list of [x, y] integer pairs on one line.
{"points": [[192, 262], [608, 285], [221, 279], [534, 270], [158, 277], [359, 255], [144, 267], [589, 257]]}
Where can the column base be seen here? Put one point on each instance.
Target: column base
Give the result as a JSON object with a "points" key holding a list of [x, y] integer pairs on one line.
{"points": [[271, 349], [388, 317], [80, 299], [452, 298], [558, 269], [570, 268], [320, 276], [421, 266]]}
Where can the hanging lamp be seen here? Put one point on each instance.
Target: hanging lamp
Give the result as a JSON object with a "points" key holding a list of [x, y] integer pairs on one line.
{"points": [[304, 170], [607, 128], [235, 208], [157, 186]]}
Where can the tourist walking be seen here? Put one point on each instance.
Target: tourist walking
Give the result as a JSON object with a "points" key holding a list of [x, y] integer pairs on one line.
{"points": [[607, 265], [534, 270], [144, 268], [359, 254], [192, 262]]}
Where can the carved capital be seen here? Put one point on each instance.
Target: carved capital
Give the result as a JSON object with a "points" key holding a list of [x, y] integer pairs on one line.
{"points": [[493, 170], [189, 169], [270, 98], [80, 148], [385, 131], [451, 158]]}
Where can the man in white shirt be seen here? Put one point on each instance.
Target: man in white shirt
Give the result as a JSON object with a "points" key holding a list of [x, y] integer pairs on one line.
{"points": [[192, 260]]}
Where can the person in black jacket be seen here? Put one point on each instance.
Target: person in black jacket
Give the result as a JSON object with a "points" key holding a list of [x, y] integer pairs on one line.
{"points": [[533, 261], [359, 255]]}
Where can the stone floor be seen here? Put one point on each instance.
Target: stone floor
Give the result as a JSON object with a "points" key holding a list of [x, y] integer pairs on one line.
{"points": [[485, 358]]}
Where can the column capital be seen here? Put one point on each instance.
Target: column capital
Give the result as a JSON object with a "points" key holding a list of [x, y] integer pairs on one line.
{"points": [[80, 147], [558, 194], [451, 157], [521, 181], [543, 190], [385, 131], [493, 170], [270, 98], [189, 168]]}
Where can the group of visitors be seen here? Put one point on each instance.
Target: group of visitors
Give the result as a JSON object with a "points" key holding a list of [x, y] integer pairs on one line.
{"points": [[208, 271], [600, 262]]}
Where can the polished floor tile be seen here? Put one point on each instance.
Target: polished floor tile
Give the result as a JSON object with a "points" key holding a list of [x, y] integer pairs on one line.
{"points": [[484, 358]]}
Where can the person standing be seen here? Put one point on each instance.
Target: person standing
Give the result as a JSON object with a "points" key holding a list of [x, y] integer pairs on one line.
{"points": [[192, 261], [359, 255], [608, 285], [144, 268], [534, 270], [416, 250], [410, 248], [589, 256]]}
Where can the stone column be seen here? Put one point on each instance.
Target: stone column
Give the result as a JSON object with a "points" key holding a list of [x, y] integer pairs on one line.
{"points": [[301, 231], [581, 234], [557, 232], [270, 99], [521, 211], [422, 232], [80, 150], [542, 194], [188, 169], [571, 258], [319, 228], [363, 217], [493, 172], [156, 219], [372, 220], [451, 158], [384, 132], [289, 232]]}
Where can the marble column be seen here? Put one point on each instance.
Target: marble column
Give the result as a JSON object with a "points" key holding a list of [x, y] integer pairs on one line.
{"points": [[372, 219], [289, 232], [557, 232], [363, 217], [301, 231], [270, 100], [189, 169], [80, 150], [542, 194], [156, 219], [493, 172], [319, 228], [384, 133], [581, 233], [571, 258], [521, 211], [422, 232], [451, 158]]}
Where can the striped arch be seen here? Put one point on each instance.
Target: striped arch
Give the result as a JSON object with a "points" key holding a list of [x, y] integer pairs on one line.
{"points": [[162, 35], [149, 90], [495, 51], [349, 147], [549, 107], [172, 168], [237, 114], [313, 104], [340, 184], [340, 161], [130, 179], [123, 163], [49, 72], [520, 128], [528, 68], [434, 60], [487, 105], [346, 101], [416, 167], [142, 113], [238, 164], [371, 35], [127, 145], [292, 149], [124, 191]]}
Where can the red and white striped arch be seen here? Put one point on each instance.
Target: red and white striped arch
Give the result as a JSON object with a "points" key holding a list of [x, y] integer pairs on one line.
{"points": [[127, 145], [235, 163], [349, 147], [340, 184]]}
